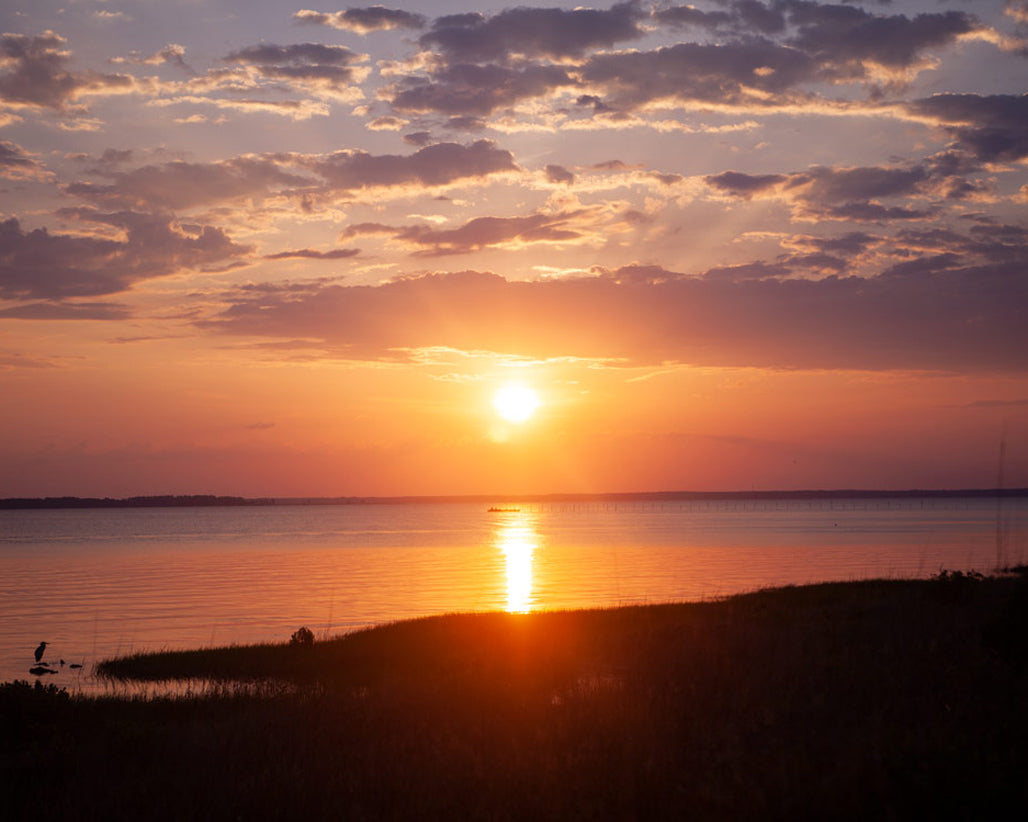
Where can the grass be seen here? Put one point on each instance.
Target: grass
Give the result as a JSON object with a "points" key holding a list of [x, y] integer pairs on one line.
{"points": [[884, 699]]}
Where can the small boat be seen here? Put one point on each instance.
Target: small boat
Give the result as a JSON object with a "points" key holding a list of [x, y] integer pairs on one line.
{"points": [[495, 510]]}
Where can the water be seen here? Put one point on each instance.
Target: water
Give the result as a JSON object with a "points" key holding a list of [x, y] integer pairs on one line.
{"points": [[98, 583]]}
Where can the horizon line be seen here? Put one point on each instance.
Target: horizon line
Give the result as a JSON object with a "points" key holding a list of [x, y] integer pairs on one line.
{"points": [[214, 500]]}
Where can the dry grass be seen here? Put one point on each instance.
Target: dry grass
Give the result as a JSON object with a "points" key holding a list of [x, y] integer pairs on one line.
{"points": [[884, 699]]}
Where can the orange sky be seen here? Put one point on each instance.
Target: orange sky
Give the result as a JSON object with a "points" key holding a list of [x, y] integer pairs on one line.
{"points": [[731, 245]]}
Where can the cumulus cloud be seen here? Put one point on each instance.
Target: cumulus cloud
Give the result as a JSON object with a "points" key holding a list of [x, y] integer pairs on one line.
{"points": [[757, 57], [39, 265], [466, 89], [683, 16], [36, 73], [483, 232], [852, 193], [439, 164], [559, 174], [181, 185], [16, 164], [846, 39], [362, 20], [330, 70], [758, 74], [551, 33], [172, 54], [993, 127], [901, 319], [846, 42]]}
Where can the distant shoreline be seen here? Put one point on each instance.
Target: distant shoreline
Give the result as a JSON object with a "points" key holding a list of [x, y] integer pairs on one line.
{"points": [[210, 500]]}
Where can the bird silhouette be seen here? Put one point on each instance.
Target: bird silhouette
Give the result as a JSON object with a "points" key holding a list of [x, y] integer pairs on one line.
{"points": [[40, 650]]}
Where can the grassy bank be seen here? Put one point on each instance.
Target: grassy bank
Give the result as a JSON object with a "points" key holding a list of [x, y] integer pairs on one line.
{"points": [[883, 699]]}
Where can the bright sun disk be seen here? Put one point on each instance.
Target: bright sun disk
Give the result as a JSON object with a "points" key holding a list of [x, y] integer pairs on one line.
{"points": [[515, 403]]}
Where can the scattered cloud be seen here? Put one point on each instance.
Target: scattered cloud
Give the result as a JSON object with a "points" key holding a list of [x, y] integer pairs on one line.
{"points": [[362, 20], [43, 266], [485, 232], [35, 74], [314, 254], [551, 33], [439, 164], [900, 319], [180, 185], [994, 128], [318, 69], [16, 164]]}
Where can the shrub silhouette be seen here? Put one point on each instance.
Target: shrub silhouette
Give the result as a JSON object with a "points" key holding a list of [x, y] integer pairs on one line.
{"points": [[302, 637]]}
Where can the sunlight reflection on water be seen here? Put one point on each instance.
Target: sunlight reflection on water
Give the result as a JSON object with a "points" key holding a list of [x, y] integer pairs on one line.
{"points": [[517, 540], [97, 583]]}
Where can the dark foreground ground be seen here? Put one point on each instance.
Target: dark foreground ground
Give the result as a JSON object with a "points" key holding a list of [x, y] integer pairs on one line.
{"points": [[864, 700]]}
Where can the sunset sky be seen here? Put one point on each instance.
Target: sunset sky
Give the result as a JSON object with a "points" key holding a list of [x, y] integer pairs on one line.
{"points": [[255, 248]]}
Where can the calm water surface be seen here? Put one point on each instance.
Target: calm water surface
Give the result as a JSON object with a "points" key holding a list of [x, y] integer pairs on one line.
{"points": [[96, 583]]}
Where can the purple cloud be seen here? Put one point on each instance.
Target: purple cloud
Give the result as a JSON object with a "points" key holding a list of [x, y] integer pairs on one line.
{"points": [[39, 265], [363, 20], [37, 73], [913, 318]]}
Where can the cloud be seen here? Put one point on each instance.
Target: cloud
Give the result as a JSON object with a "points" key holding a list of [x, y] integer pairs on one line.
{"points": [[754, 74], [172, 54], [39, 265], [484, 232], [758, 57], [387, 124], [770, 56], [311, 54], [320, 69], [418, 138], [845, 39], [559, 174], [551, 33], [16, 164], [851, 193], [37, 76], [994, 128], [362, 20], [435, 165], [67, 311], [1018, 10], [847, 42], [257, 77], [466, 89], [949, 319], [683, 16], [181, 185], [745, 185], [314, 254], [298, 110]]}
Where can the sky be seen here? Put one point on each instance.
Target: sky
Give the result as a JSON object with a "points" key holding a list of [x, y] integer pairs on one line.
{"points": [[256, 248]]}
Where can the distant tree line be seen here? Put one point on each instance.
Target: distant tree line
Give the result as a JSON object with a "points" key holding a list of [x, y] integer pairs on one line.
{"points": [[210, 500], [161, 501]]}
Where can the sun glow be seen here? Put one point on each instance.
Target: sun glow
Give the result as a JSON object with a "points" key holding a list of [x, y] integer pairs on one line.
{"points": [[515, 402]]}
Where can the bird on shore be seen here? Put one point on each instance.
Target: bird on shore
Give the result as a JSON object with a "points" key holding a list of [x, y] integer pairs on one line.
{"points": [[40, 650]]}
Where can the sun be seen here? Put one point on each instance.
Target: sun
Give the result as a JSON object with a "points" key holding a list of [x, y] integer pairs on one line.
{"points": [[515, 403]]}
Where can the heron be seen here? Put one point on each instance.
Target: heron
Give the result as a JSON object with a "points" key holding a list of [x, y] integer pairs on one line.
{"points": [[40, 650]]}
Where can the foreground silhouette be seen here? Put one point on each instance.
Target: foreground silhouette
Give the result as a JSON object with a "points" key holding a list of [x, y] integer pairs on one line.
{"points": [[878, 699]]}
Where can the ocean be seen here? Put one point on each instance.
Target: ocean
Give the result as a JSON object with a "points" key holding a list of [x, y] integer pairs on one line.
{"points": [[95, 583]]}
